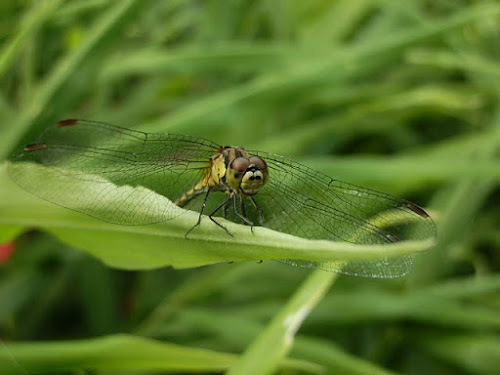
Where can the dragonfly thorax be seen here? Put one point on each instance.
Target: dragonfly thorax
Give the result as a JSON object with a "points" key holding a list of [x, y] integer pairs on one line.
{"points": [[245, 174]]}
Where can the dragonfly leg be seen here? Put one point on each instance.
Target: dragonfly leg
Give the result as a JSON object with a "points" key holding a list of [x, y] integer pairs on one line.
{"points": [[243, 210], [243, 215], [199, 216], [259, 211], [223, 204]]}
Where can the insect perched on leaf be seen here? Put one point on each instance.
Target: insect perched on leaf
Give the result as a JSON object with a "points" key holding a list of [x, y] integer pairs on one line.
{"points": [[248, 187]]}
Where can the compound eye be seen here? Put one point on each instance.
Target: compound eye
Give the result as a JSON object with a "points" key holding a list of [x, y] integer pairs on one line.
{"points": [[240, 164], [259, 162]]}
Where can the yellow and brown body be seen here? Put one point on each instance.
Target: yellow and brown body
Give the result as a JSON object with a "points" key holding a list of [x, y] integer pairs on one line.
{"points": [[233, 171]]}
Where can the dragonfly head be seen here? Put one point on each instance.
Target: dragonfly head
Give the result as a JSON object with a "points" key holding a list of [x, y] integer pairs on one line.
{"points": [[247, 174]]}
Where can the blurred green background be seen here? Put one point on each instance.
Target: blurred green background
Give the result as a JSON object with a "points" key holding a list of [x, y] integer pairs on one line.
{"points": [[399, 96]]}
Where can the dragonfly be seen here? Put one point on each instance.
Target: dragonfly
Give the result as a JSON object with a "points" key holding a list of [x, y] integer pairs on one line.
{"points": [[249, 187]]}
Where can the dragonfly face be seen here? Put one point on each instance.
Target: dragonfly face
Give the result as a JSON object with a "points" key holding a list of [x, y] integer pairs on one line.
{"points": [[122, 169], [245, 174]]}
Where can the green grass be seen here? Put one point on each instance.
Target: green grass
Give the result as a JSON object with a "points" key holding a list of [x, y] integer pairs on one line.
{"points": [[397, 96]]}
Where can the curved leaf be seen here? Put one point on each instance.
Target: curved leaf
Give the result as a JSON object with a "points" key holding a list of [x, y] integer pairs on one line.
{"points": [[164, 244]]}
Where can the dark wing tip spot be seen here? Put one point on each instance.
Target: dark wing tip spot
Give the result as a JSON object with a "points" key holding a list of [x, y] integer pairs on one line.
{"points": [[392, 238], [69, 122], [418, 210], [35, 147]]}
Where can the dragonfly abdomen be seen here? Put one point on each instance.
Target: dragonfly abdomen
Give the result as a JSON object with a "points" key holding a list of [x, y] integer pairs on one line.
{"points": [[189, 195]]}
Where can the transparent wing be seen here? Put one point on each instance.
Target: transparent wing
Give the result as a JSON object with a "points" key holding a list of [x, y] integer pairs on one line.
{"points": [[95, 168], [301, 201], [90, 167]]}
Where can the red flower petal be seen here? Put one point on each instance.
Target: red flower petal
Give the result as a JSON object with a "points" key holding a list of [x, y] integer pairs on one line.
{"points": [[6, 251]]}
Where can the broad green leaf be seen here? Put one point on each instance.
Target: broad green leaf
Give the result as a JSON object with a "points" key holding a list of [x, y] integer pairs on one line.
{"points": [[152, 246]]}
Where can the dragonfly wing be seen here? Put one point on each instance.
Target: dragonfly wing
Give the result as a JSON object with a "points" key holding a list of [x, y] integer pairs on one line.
{"points": [[99, 169], [306, 203]]}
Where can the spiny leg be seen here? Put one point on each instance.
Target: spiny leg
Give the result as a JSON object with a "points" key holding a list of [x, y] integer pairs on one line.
{"points": [[244, 213], [243, 210], [261, 216], [223, 204], [242, 217], [225, 211], [259, 211], [199, 216]]}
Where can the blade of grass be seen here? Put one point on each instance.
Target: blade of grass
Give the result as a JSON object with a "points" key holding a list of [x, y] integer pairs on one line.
{"points": [[67, 67], [204, 283], [339, 65], [36, 15], [242, 58], [477, 353], [244, 329], [463, 200], [272, 345], [379, 306], [471, 63], [465, 287], [118, 352]]}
